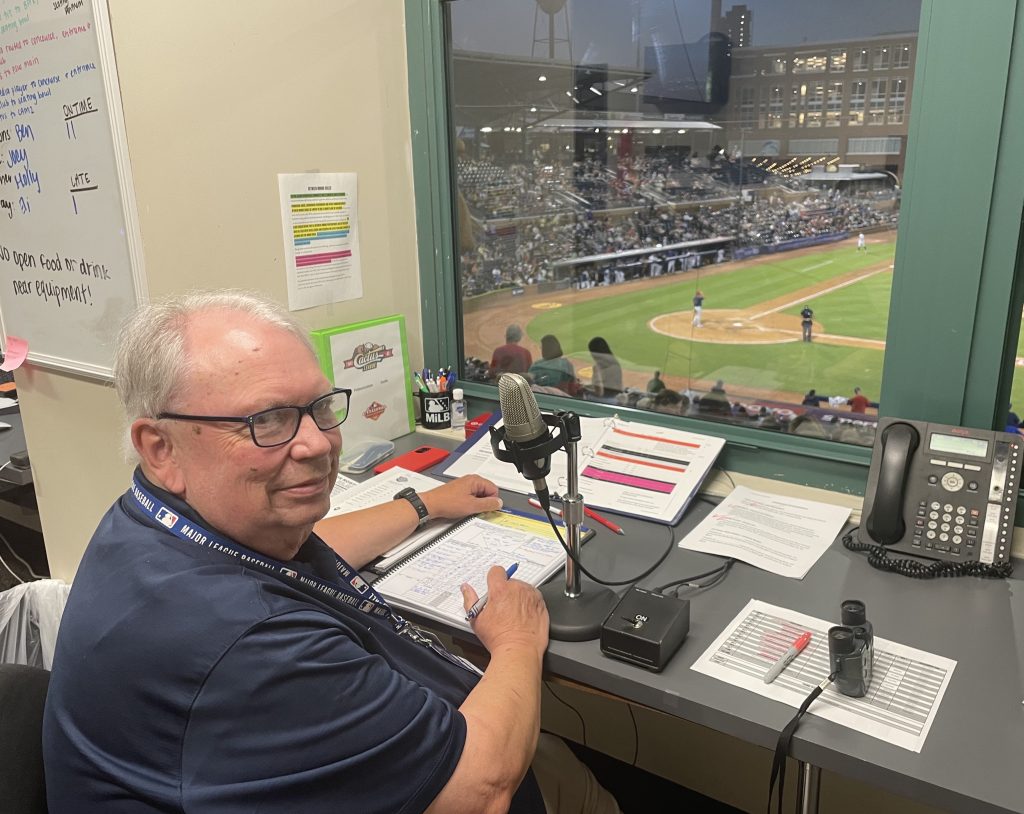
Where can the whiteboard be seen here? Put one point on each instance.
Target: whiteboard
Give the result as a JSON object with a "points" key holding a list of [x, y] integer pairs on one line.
{"points": [[70, 252]]}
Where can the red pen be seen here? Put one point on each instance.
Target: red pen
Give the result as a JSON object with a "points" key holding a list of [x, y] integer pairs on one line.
{"points": [[603, 521], [787, 657], [588, 512]]}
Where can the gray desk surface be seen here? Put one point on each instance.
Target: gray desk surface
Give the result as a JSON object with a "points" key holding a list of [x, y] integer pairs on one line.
{"points": [[971, 760], [12, 440]]}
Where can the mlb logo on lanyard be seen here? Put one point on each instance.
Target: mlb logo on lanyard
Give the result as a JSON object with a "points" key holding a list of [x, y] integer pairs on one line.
{"points": [[166, 517]]}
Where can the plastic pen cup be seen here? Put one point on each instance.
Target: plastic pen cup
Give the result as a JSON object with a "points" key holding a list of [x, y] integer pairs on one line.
{"points": [[435, 410]]}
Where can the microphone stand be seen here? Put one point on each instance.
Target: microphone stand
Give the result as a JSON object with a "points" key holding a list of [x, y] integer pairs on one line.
{"points": [[575, 616]]}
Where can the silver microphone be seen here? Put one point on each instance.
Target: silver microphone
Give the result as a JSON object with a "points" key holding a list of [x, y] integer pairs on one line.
{"points": [[524, 426]]}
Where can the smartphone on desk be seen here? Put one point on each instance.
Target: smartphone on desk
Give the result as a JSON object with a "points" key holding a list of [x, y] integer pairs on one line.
{"points": [[415, 460]]}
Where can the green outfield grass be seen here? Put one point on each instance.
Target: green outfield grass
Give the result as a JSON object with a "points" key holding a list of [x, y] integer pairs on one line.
{"points": [[859, 310]]}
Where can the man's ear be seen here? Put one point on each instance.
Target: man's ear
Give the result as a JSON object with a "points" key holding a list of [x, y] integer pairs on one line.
{"points": [[156, 449]]}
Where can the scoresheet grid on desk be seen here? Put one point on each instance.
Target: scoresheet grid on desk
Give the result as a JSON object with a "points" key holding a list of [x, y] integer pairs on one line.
{"points": [[906, 687]]}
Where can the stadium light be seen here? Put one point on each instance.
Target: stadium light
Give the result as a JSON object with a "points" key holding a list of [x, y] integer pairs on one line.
{"points": [[542, 78], [486, 129], [595, 90]]}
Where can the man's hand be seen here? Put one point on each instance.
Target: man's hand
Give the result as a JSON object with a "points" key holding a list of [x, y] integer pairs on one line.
{"points": [[470, 494], [515, 614]]}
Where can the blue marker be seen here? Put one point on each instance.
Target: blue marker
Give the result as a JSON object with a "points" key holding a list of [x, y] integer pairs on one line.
{"points": [[478, 606]]}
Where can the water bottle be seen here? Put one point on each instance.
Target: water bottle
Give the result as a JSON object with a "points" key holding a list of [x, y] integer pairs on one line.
{"points": [[458, 409]]}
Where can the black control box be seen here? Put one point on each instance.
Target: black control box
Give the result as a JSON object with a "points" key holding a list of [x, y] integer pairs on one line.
{"points": [[645, 628]]}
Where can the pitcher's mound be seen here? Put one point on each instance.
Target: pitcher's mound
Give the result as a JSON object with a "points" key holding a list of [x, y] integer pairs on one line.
{"points": [[731, 327]]}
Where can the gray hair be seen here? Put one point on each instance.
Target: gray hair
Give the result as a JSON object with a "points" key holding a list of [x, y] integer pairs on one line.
{"points": [[513, 333], [150, 361]]}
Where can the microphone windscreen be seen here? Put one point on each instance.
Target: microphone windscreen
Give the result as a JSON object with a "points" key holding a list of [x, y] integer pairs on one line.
{"points": [[519, 410]]}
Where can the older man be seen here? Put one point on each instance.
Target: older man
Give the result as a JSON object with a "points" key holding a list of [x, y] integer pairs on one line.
{"points": [[216, 655]]}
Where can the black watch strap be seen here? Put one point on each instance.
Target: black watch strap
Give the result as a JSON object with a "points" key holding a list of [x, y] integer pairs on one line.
{"points": [[408, 493]]}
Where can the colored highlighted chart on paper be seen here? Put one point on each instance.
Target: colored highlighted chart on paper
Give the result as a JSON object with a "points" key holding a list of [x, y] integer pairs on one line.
{"points": [[318, 212]]}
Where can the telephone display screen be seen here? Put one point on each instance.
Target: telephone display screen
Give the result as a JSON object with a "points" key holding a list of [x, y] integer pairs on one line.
{"points": [[958, 445]]}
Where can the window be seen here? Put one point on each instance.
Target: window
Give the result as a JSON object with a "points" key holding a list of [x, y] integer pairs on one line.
{"points": [[813, 146], [837, 61], [815, 101], [778, 66], [897, 100], [748, 112], [775, 107], [860, 59], [835, 104], [809, 63], [880, 57], [858, 92], [876, 107], [901, 56], [884, 145], [935, 238]]}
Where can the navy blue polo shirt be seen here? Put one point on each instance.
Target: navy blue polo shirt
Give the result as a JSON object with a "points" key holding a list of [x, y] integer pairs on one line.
{"points": [[185, 682]]}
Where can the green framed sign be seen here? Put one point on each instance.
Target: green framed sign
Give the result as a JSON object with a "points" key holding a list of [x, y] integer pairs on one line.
{"points": [[372, 359]]}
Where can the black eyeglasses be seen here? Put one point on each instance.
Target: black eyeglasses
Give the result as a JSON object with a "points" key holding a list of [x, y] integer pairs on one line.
{"points": [[279, 425]]}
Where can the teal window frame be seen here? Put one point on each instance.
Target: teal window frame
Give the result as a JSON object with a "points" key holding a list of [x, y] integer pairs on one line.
{"points": [[956, 302]]}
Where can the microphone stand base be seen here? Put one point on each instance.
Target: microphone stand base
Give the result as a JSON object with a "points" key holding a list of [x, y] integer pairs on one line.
{"points": [[579, 619]]}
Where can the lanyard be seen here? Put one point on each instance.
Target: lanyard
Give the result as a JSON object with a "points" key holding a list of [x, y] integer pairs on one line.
{"points": [[352, 590]]}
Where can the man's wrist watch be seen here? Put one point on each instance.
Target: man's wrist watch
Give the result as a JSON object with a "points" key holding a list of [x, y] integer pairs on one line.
{"points": [[408, 493]]}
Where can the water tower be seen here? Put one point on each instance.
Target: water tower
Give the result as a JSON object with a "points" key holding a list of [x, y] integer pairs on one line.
{"points": [[551, 8]]}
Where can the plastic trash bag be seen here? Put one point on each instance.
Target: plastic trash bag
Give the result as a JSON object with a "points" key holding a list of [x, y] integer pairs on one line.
{"points": [[29, 619]]}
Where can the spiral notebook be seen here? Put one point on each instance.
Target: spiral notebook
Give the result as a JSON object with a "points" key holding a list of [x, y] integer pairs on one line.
{"points": [[427, 583]]}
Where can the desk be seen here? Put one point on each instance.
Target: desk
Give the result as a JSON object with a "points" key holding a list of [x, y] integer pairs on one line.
{"points": [[971, 760], [17, 501], [12, 440]]}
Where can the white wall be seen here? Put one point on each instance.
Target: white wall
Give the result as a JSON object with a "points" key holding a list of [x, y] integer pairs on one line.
{"points": [[218, 98]]}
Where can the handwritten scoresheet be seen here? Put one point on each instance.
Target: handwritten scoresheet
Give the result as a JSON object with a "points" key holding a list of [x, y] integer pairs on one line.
{"points": [[906, 687], [429, 582]]}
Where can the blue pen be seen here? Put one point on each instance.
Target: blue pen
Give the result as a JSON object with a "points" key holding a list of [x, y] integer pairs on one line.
{"points": [[478, 606]]}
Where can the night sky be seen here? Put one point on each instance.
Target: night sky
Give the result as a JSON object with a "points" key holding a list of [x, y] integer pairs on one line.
{"points": [[608, 30]]}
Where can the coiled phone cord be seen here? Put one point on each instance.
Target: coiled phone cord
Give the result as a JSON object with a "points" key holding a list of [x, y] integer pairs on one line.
{"points": [[878, 557]]}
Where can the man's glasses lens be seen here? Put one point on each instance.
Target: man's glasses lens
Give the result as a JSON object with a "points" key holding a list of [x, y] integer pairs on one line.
{"points": [[281, 424]]}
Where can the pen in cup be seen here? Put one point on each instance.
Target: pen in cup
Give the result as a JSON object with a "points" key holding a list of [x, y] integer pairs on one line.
{"points": [[795, 649], [479, 605]]}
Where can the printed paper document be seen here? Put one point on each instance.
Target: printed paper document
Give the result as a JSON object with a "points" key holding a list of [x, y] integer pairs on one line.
{"points": [[634, 469], [784, 535], [348, 496], [906, 687]]}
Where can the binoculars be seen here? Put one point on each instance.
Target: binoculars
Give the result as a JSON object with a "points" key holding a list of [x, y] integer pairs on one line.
{"points": [[851, 650]]}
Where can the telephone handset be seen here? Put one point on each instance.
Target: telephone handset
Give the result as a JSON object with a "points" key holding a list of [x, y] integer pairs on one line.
{"points": [[944, 492]]}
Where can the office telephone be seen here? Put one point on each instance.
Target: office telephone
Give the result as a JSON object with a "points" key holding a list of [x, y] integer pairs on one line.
{"points": [[943, 492]]}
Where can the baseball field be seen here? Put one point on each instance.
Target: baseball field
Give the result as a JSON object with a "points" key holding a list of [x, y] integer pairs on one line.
{"points": [[750, 336]]}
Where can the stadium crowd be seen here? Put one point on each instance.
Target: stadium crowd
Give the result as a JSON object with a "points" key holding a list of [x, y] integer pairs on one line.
{"points": [[529, 251]]}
